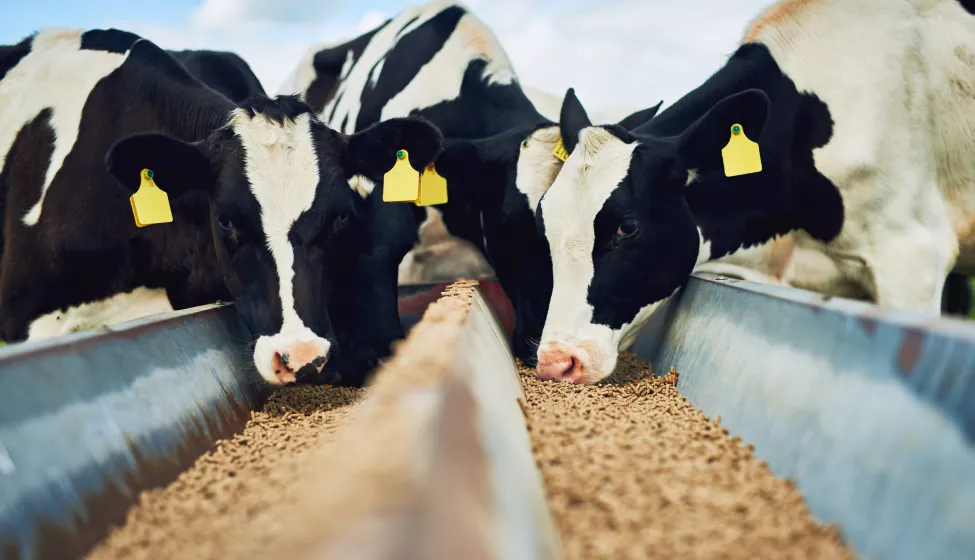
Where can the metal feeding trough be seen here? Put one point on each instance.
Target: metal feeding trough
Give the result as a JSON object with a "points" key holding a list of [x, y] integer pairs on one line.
{"points": [[870, 411]]}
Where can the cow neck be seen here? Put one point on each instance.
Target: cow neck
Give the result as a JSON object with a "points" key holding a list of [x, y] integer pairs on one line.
{"points": [[484, 109], [510, 108], [181, 105], [789, 193]]}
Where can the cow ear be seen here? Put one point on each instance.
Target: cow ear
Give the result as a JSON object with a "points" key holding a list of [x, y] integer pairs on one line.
{"points": [[178, 167], [640, 117], [572, 120], [701, 143], [372, 152]]}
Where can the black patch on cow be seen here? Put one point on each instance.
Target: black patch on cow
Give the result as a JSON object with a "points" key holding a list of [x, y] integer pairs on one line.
{"points": [[572, 119], [328, 65], [656, 259], [481, 178], [224, 72], [10, 56], [109, 40], [484, 109], [969, 5], [646, 240], [401, 64], [481, 174], [790, 193]]}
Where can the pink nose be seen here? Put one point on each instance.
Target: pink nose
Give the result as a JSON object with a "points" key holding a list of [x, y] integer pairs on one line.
{"points": [[557, 364], [556, 371]]}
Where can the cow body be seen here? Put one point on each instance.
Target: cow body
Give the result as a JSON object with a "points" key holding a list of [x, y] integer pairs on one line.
{"points": [[865, 133], [438, 61], [224, 72], [262, 212]]}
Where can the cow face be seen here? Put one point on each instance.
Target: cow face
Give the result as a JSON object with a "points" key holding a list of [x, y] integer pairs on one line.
{"points": [[502, 178], [282, 213], [620, 233]]}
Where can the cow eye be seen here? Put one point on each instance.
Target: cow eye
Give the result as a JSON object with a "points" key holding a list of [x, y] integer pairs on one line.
{"points": [[627, 228], [226, 225], [524, 143]]}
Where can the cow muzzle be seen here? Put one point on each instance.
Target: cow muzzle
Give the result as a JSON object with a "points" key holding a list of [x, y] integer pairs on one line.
{"points": [[289, 357], [571, 363]]}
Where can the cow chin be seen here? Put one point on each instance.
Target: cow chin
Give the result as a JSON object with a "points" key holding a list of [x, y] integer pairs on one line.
{"points": [[579, 360], [291, 355]]}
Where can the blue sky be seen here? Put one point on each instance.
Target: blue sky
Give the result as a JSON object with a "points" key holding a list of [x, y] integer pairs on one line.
{"points": [[618, 54]]}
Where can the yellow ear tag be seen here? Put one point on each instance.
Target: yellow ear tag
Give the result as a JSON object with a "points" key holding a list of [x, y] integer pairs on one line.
{"points": [[150, 204], [402, 182], [560, 152], [433, 188], [741, 156]]}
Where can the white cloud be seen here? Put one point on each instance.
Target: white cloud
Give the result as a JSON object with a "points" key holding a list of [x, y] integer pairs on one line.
{"points": [[616, 53], [272, 52], [227, 13]]}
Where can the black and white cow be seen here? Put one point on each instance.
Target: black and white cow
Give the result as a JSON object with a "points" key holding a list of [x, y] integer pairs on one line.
{"points": [[261, 204], [865, 117], [439, 61], [224, 72]]}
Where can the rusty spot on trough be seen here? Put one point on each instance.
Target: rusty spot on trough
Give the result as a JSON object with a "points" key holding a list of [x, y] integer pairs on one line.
{"points": [[910, 350]]}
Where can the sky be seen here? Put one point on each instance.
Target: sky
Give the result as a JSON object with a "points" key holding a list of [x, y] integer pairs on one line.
{"points": [[617, 54]]}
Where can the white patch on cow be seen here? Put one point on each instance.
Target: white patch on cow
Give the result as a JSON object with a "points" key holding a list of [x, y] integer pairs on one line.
{"points": [[537, 167], [345, 105], [362, 185], [437, 81], [440, 79], [589, 176], [691, 177], [140, 302], [376, 71], [281, 164], [55, 74], [347, 65], [903, 112]]}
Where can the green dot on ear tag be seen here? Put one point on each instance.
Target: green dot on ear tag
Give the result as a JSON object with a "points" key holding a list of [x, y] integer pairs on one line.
{"points": [[150, 174], [736, 129], [400, 154]]}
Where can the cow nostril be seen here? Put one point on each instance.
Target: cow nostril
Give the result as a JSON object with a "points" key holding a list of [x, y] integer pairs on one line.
{"points": [[319, 361]]}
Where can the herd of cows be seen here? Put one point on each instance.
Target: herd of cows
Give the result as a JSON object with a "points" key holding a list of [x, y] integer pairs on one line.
{"points": [[832, 151]]}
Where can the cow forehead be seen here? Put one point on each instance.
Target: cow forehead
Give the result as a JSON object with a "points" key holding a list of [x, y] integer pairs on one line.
{"points": [[595, 169], [281, 164]]}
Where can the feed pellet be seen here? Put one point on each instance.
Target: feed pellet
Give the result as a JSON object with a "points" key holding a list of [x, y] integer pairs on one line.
{"points": [[219, 507], [631, 470]]}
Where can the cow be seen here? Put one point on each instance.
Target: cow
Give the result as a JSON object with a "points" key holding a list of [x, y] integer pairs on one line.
{"points": [[864, 117], [261, 209], [224, 72], [440, 62]]}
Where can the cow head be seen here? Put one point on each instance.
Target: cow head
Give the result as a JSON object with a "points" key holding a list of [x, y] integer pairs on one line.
{"points": [[282, 213], [497, 182], [620, 232]]}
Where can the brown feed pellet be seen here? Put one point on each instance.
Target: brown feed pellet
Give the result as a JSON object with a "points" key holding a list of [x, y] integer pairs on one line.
{"points": [[630, 469]]}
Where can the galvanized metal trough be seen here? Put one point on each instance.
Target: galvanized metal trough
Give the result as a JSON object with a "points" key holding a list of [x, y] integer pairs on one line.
{"points": [[871, 412], [89, 420]]}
